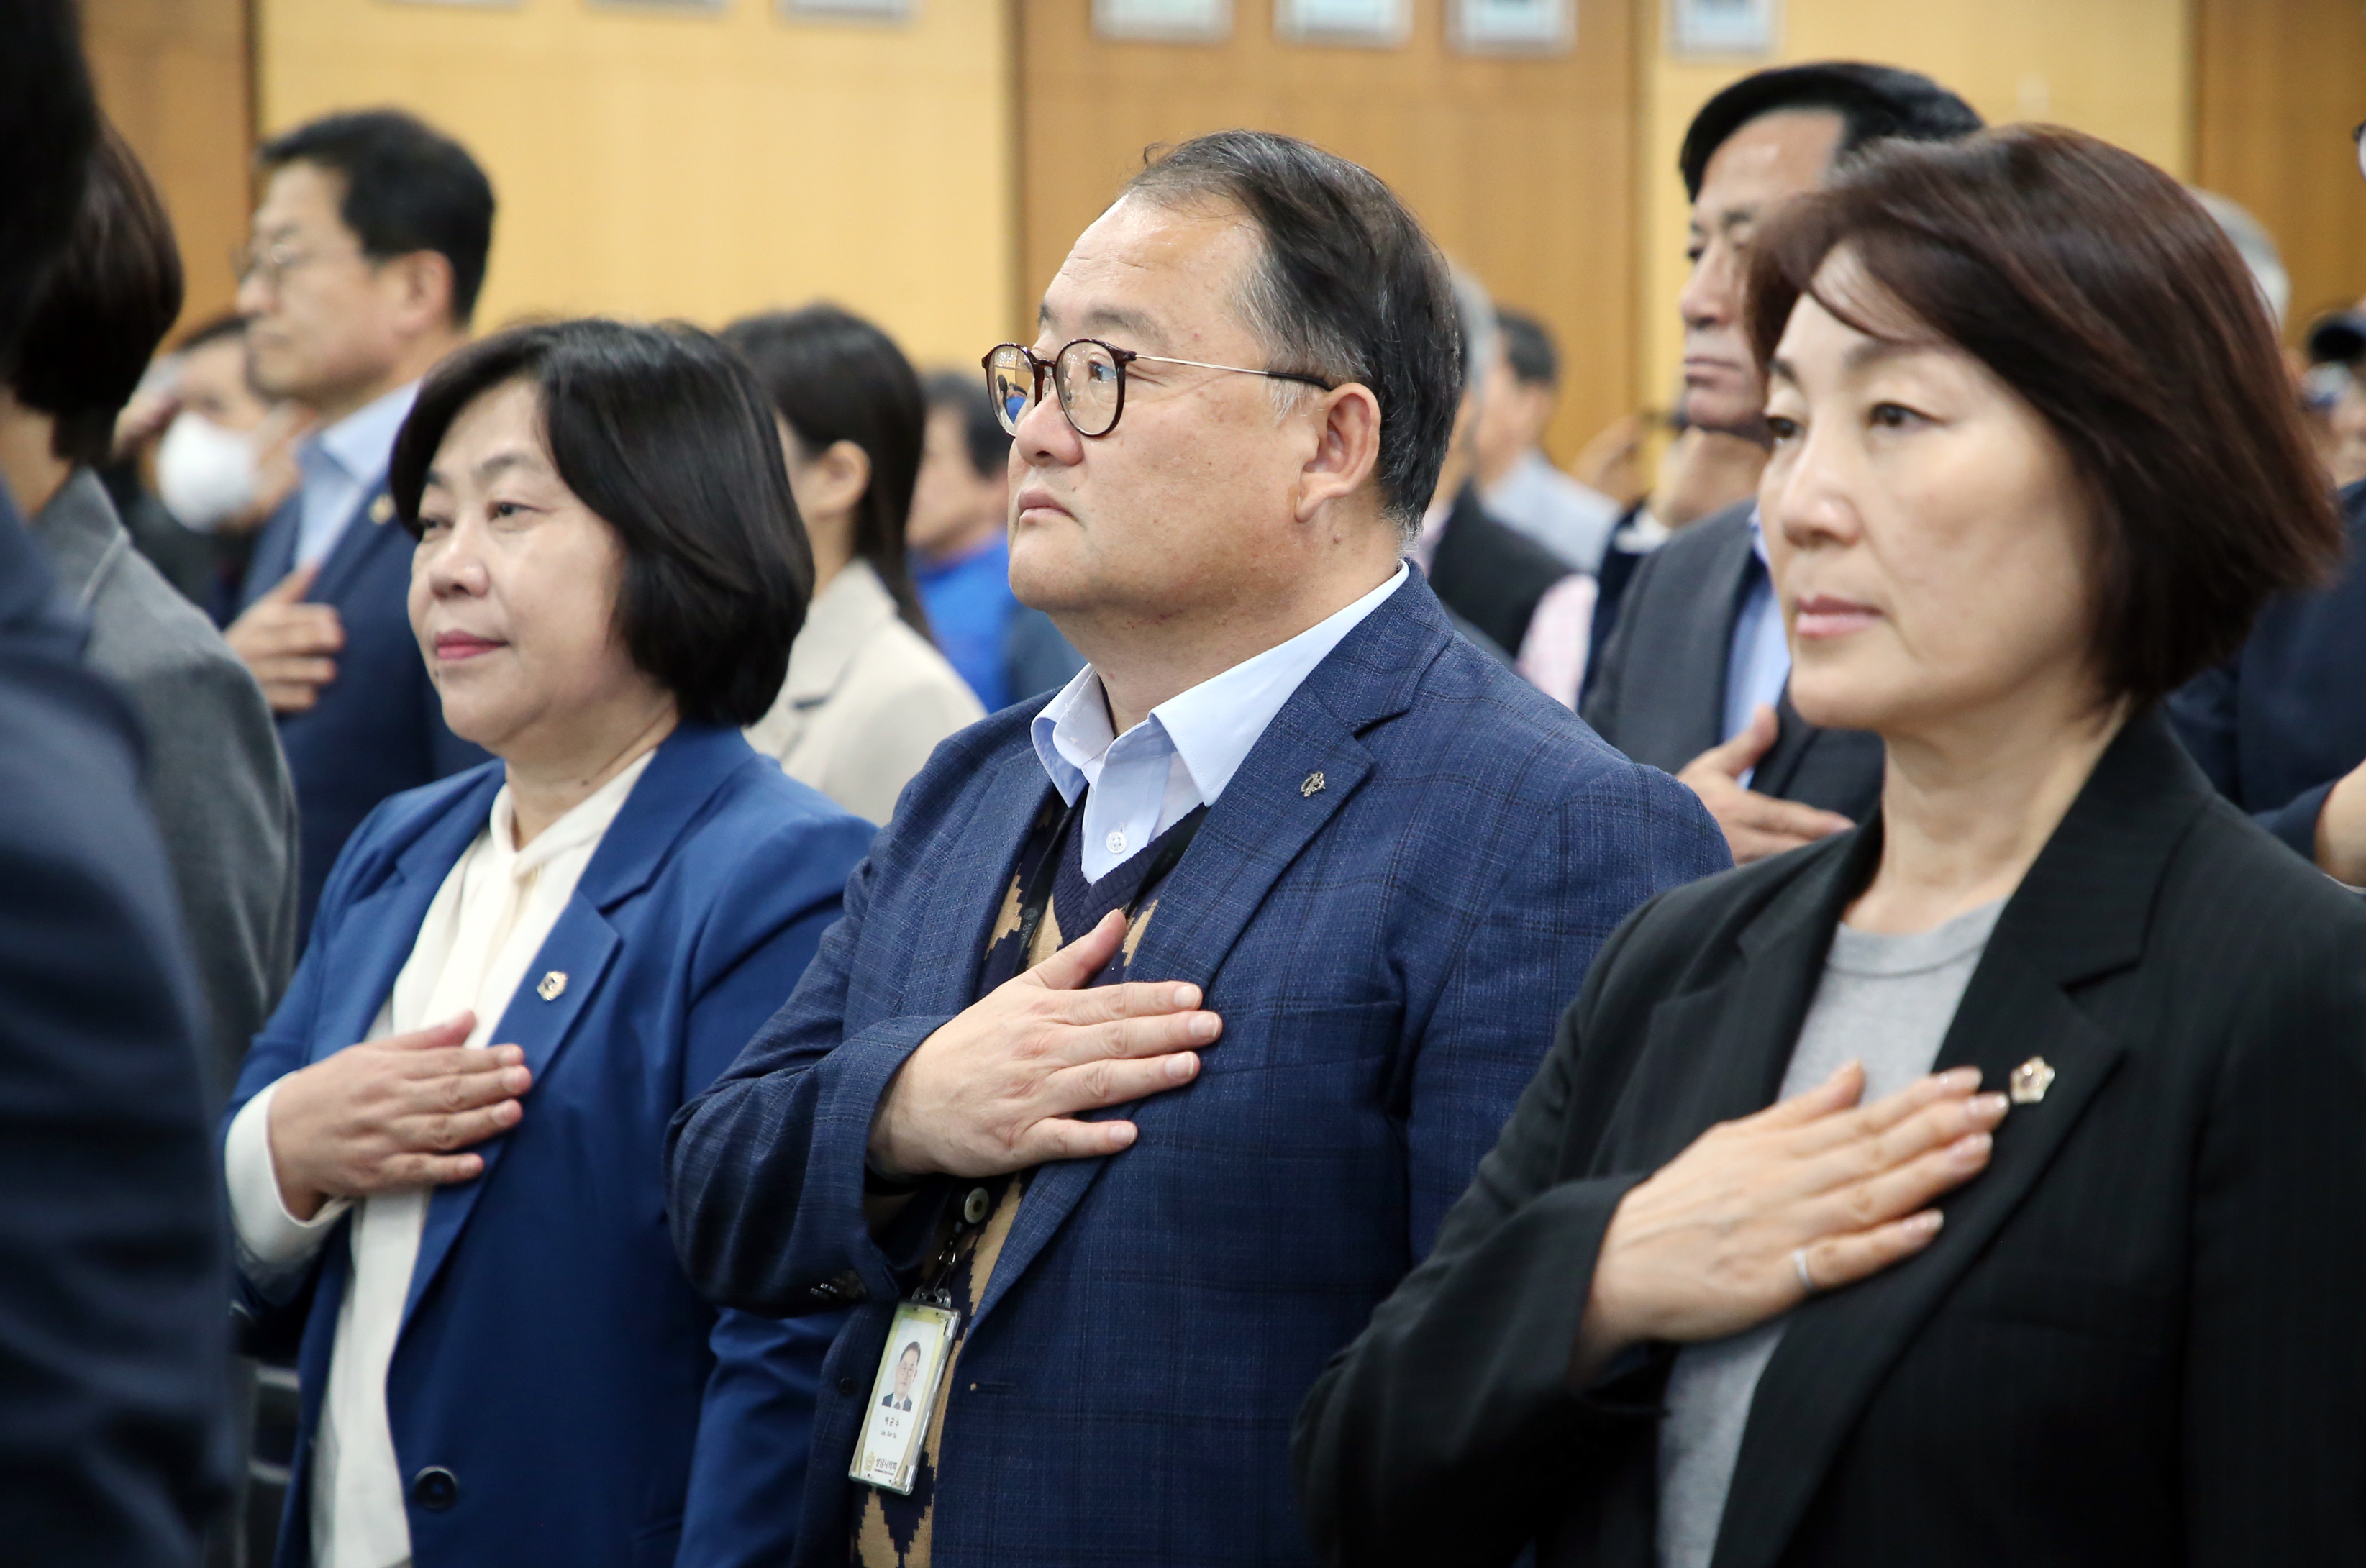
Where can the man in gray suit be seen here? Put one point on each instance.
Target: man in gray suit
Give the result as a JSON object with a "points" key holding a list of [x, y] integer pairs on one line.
{"points": [[215, 777], [1694, 676]]}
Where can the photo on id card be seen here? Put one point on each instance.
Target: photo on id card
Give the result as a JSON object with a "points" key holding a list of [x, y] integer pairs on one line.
{"points": [[903, 1394]]}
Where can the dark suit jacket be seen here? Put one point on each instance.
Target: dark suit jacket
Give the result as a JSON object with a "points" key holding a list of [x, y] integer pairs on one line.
{"points": [[1490, 574], [1388, 953], [2277, 725], [114, 1364], [216, 779], [1658, 693], [2136, 1342], [378, 728], [552, 1359]]}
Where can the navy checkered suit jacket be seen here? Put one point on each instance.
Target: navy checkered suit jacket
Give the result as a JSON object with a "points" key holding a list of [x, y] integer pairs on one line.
{"points": [[1389, 953]]}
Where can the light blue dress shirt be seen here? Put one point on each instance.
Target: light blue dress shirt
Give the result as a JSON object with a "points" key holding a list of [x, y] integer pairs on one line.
{"points": [[341, 466], [1186, 751], [1757, 665]]}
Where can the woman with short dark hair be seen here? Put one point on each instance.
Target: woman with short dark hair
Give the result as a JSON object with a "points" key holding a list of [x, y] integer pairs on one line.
{"points": [[2045, 1249], [460, 1215], [867, 696]]}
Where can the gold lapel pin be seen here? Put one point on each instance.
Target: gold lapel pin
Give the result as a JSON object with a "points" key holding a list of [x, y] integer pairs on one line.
{"points": [[381, 511], [556, 981], [1312, 786], [2030, 1081]]}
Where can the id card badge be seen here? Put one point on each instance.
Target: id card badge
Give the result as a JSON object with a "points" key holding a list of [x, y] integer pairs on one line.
{"points": [[903, 1394]]}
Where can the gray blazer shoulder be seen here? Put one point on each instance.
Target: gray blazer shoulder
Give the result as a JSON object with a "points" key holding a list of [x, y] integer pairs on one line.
{"points": [[216, 777]]}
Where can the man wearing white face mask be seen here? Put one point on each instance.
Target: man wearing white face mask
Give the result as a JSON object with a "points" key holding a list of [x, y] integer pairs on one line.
{"points": [[225, 459], [215, 778]]}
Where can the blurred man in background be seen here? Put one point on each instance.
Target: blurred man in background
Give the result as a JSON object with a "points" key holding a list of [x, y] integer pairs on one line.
{"points": [[1694, 676], [223, 457], [114, 1373], [2280, 728], [368, 252], [1500, 584], [1519, 483]]}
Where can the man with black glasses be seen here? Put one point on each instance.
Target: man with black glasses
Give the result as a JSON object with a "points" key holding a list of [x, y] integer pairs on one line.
{"points": [[1172, 1011], [369, 249]]}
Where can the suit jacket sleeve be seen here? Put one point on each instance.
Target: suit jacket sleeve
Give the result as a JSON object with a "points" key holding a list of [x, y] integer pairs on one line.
{"points": [[1611, 848], [1438, 1437], [2278, 1268], [2206, 713], [765, 1170], [753, 1427], [112, 1341], [228, 812]]}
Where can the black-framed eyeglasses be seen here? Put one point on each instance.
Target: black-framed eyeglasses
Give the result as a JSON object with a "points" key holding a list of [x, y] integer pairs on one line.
{"points": [[1090, 378], [270, 263]]}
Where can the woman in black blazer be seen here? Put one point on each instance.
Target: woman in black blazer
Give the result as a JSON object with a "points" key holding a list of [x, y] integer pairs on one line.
{"points": [[2087, 1289]]}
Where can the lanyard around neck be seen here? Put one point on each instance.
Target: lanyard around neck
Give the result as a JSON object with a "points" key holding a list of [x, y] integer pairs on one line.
{"points": [[1037, 896]]}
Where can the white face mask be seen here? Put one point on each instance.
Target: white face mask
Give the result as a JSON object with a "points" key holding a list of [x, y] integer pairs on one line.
{"points": [[205, 474]]}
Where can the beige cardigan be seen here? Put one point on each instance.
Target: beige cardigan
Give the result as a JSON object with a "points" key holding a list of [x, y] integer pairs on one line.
{"points": [[865, 701]]}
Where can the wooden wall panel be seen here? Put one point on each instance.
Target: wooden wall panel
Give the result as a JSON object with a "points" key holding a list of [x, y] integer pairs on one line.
{"points": [[1522, 167], [2279, 83], [174, 76]]}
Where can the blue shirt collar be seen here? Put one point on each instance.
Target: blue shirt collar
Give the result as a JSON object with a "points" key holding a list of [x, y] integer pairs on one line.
{"points": [[1211, 728], [361, 445]]}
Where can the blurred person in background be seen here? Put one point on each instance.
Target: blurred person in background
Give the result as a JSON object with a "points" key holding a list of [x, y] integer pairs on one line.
{"points": [[223, 457], [2281, 727], [368, 253], [460, 1216], [1701, 473], [867, 696], [960, 553], [1693, 677], [2336, 393], [215, 777], [1517, 482], [114, 1368], [1502, 584], [1979, 1186], [955, 535]]}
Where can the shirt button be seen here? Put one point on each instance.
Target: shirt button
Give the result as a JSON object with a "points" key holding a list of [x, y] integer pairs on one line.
{"points": [[435, 1489], [1117, 843], [974, 1206]]}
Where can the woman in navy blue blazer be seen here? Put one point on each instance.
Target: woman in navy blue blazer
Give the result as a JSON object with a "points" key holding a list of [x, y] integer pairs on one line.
{"points": [[443, 1156]]}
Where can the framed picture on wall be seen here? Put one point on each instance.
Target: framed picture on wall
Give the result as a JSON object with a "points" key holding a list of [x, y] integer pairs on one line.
{"points": [[1164, 21], [1512, 27], [1374, 24], [852, 10], [1731, 30]]}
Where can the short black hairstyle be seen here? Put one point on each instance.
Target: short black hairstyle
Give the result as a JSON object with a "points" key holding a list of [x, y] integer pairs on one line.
{"points": [[662, 433], [1875, 103], [834, 376], [101, 310], [49, 123], [1349, 287], [965, 392], [1528, 345], [409, 187]]}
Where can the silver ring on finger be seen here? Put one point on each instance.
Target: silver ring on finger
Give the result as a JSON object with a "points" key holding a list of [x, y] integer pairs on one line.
{"points": [[1799, 1267]]}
